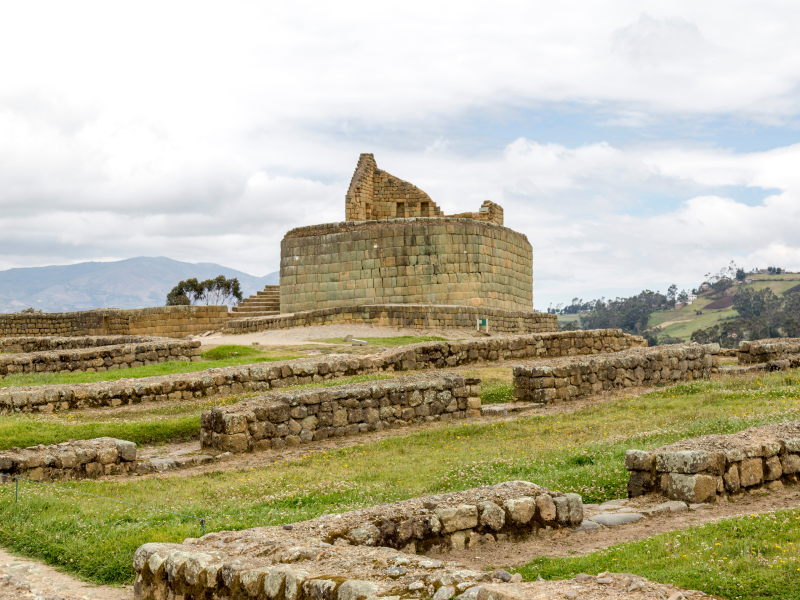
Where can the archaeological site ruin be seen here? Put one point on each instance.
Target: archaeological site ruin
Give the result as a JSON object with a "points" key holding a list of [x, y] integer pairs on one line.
{"points": [[459, 465]]}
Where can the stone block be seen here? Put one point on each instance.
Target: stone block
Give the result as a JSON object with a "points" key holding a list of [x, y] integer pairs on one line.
{"points": [[772, 468], [790, 463], [686, 461], [751, 472], [691, 488], [465, 516], [639, 460]]}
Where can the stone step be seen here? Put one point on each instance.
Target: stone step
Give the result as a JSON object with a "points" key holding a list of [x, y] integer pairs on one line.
{"points": [[262, 313]]}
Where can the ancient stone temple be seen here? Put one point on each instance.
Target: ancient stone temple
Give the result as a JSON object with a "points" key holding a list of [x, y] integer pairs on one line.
{"points": [[398, 248]]}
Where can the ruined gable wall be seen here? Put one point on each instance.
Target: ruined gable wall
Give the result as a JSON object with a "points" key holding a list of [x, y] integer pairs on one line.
{"points": [[375, 194]]}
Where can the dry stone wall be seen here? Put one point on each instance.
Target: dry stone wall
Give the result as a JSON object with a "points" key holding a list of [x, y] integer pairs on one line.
{"points": [[772, 350], [99, 359], [706, 468], [276, 375], [406, 261], [162, 321], [642, 366], [353, 556], [18, 345], [84, 459], [409, 316], [291, 418]]}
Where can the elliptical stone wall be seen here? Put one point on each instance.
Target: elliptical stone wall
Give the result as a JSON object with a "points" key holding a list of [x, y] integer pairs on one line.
{"points": [[407, 316], [406, 261]]}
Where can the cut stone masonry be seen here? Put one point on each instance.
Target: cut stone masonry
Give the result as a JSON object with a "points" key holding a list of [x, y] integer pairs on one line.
{"points": [[636, 367], [272, 375], [291, 418], [770, 351], [99, 358], [706, 468]]}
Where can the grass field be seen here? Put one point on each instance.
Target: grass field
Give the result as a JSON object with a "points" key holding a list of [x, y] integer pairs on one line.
{"points": [[755, 557], [389, 342], [215, 358], [581, 452]]}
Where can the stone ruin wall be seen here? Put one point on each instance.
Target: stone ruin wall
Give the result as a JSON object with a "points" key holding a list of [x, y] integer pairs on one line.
{"points": [[276, 375], [162, 321], [292, 418], [79, 355], [85, 459], [777, 350], [354, 555], [712, 467], [407, 316], [576, 378], [424, 261]]}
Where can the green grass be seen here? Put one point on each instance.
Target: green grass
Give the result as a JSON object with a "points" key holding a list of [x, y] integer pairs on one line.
{"points": [[389, 342], [227, 357], [581, 452], [755, 557], [496, 392]]}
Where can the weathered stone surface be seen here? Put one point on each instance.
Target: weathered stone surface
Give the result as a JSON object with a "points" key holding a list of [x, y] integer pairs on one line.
{"points": [[462, 517], [691, 488], [790, 463], [546, 507], [641, 483], [689, 461], [521, 510], [772, 468], [365, 535], [639, 460], [751, 472], [492, 516], [614, 519], [356, 590]]}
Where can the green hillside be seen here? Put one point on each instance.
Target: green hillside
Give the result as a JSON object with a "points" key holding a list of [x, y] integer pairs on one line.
{"points": [[681, 323]]}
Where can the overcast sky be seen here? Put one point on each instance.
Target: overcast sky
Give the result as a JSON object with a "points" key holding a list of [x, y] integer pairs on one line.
{"points": [[635, 143]]}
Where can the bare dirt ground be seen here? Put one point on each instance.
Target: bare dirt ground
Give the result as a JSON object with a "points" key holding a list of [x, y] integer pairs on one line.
{"points": [[21, 578], [306, 335]]}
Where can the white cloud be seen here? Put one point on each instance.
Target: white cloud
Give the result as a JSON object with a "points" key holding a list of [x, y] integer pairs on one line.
{"points": [[204, 133]]}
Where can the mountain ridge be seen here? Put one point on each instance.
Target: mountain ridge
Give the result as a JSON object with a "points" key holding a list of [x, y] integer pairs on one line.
{"points": [[137, 282]]}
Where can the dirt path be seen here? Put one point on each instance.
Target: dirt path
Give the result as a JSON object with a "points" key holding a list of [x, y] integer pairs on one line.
{"points": [[22, 578]]}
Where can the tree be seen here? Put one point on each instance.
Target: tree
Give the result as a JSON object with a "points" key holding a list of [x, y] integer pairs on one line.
{"points": [[683, 297], [221, 290], [629, 314], [671, 293], [218, 291], [186, 292]]}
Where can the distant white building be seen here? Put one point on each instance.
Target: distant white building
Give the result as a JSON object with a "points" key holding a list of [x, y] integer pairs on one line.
{"points": [[692, 298]]}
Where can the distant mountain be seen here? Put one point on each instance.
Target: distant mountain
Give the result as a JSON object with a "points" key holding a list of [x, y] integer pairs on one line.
{"points": [[133, 283]]}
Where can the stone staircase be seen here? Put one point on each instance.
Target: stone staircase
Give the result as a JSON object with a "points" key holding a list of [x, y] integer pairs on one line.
{"points": [[263, 304]]}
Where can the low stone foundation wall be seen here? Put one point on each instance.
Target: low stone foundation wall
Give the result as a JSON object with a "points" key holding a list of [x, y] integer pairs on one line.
{"points": [[84, 459], [567, 379], [271, 375], [18, 345], [291, 418], [764, 351], [712, 466], [103, 358], [164, 321], [353, 556], [412, 316]]}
